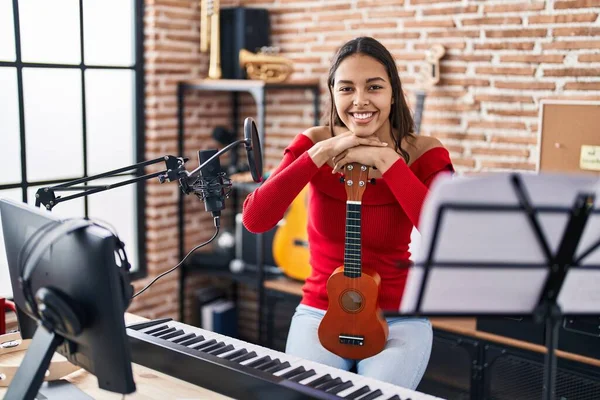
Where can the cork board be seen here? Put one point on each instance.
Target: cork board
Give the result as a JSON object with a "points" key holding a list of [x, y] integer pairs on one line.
{"points": [[564, 127]]}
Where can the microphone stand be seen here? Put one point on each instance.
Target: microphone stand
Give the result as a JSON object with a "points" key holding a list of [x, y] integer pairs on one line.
{"points": [[46, 196], [174, 171]]}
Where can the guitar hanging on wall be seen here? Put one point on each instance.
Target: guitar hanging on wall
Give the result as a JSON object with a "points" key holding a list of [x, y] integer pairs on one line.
{"points": [[429, 76], [353, 326], [210, 35]]}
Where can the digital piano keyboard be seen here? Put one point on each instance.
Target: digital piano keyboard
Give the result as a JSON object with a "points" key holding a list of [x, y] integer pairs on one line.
{"points": [[243, 370]]}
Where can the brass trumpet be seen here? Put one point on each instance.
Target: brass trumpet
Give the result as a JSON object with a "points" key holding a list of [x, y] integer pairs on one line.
{"points": [[268, 68]]}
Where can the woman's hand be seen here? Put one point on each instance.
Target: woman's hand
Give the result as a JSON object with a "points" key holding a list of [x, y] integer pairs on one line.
{"points": [[327, 149], [373, 156]]}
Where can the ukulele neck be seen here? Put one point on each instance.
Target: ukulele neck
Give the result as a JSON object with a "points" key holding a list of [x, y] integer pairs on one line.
{"points": [[352, 254]]}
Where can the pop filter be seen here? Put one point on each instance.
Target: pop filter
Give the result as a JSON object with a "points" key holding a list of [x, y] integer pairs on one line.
{"points": [[252, 143]]}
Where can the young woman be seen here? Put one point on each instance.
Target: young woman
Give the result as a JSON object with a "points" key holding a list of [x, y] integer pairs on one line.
{"points": [[370, 123]]}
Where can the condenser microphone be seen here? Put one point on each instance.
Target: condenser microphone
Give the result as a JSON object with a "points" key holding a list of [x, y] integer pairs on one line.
{"points": [[211, 185]]}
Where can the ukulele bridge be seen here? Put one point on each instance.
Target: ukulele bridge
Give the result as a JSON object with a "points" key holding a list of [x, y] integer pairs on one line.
{"points": [[352, 340]]}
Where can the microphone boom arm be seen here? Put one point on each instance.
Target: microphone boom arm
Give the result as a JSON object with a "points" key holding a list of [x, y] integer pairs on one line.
{"points": [[175, 171], [46, 196]]}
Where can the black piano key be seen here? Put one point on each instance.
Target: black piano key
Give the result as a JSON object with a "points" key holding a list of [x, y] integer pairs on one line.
{"points": [[340, 388], [373, 395], [164, 332], [157, 329], [184, 337], [171, 335], [278, 368], [330, 384], [357, 393], [197, 339], [214, 347], [303, 376], [245, 357], [396, 397], [319, 381], [204, 345], [221, 350], [235, 354], [259, 361], [268, 365], [294, 372]]}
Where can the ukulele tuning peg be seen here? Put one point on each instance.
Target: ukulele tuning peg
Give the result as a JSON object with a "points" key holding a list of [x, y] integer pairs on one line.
{"points": [[342, 179], [372, 181]]}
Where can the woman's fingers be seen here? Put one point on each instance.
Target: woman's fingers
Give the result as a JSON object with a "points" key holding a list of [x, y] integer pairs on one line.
{"points": [[371, 142]]}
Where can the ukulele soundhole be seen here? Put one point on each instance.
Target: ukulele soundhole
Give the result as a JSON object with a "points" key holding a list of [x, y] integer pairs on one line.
{"points": [[352, 301]]}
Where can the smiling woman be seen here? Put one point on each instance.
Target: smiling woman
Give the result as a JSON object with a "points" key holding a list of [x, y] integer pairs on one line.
{"points": [[358, 242]]}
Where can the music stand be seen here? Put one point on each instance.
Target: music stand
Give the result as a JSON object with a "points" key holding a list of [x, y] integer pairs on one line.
{"points": [[509, 245]]}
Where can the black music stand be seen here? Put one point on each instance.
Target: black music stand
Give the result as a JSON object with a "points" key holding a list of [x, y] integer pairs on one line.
{"points": [[509, 245]]}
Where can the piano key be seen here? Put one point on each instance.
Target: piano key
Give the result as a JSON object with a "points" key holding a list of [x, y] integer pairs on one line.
{"points": [[292, 373], [183, 337], [257, 362], [303, 375], [267, 365], [174, 334], [357, 393], [152, 330], [204, 344], [339, 388], [245, 357], [189, 342], [278, 368], [234, 354], [319, 381], [332, 383], [164, 332], [375, 394], [216, 346], [221, 350]]}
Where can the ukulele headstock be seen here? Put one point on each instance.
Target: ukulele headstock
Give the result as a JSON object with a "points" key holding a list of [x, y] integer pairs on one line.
{"points": [[356, 177]]}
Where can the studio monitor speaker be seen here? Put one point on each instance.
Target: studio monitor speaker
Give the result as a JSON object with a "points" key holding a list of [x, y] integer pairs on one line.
{"points": [[241, 28]]}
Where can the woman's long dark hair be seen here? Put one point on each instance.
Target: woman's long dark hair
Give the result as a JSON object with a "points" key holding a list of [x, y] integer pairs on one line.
{"points": [[400, 117]]}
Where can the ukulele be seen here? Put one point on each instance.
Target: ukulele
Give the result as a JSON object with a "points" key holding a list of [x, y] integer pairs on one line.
{"points": [[353, 326], [290, 243], [429, 76]]}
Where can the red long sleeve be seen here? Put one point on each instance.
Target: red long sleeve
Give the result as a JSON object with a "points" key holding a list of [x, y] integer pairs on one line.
{"points": [[408, 189], [266, 205]]}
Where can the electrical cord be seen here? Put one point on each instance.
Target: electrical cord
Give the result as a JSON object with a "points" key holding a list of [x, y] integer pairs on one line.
{"points": [[217, 224]]}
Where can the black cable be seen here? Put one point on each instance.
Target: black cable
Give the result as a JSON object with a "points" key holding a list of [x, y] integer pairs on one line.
{"points": [[217, 224]]}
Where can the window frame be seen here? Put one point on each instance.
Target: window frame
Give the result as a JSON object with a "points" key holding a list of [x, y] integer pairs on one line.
{"points": [[139, 131]]}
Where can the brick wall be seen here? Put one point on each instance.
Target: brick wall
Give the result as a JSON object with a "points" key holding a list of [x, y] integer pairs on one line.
{"points": [[502, 58]]}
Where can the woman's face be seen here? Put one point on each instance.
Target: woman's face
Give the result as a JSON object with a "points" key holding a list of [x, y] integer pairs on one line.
{"points": [[362, 94]]}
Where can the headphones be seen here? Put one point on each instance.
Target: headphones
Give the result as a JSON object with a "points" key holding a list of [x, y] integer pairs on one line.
{"points": [[51, 306]]}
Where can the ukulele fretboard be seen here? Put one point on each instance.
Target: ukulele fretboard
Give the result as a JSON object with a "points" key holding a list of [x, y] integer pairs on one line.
{"points": [[352, 255]]}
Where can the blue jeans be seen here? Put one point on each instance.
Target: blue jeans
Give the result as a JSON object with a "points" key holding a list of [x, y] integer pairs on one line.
{"points": [[402, 362]]}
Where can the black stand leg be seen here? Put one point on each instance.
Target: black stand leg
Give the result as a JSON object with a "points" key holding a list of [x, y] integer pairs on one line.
{"points": [[30, 375], [552, 329]]}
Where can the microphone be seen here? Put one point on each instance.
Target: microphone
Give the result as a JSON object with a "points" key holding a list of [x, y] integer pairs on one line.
{"points": [[211, 185], [209, 182]]}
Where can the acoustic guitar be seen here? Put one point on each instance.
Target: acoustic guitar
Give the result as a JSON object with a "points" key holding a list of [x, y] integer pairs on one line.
{"points": [[429, 75], [290, 243], [353, 326]]}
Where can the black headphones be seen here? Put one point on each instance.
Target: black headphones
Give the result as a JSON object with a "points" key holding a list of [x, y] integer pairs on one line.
{"points": [[50, 305]]}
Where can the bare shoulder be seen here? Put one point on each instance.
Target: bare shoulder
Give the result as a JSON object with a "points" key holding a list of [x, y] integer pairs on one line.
{"points": [[317, 133], [419, 145]]}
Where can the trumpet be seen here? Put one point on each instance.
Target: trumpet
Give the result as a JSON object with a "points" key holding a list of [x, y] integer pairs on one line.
{"points": [[268, 68]]}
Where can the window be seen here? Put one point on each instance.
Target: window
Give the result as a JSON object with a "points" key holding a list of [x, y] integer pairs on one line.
{"points": [[71, 106]]}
